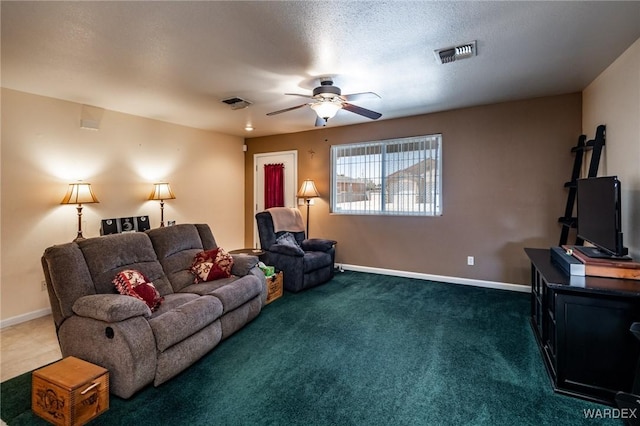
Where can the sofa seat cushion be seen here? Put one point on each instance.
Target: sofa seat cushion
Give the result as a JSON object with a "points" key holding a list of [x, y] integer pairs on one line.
{"points": [[172, 301], [232, 291], [238, 292], [208, 286], [313, 260], [185, 320]]}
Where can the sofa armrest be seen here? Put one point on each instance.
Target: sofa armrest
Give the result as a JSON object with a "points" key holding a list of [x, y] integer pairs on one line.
{"points": [[110, 307], [286, 250], [257, 272], [242, 264], [317, 244]]}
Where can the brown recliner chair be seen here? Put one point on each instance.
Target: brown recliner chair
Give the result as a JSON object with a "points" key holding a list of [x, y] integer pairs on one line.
{"points": [[306, 264]]}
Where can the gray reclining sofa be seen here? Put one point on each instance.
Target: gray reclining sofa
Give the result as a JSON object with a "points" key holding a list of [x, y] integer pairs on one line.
{"points": [[120, 333]]}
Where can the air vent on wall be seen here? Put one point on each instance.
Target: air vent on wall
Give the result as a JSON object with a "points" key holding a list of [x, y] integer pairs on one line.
{"points": [[451, 54], [236, 103]]}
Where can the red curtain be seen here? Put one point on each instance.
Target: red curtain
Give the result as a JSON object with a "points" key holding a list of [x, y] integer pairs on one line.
{"points": [[273, 185]]}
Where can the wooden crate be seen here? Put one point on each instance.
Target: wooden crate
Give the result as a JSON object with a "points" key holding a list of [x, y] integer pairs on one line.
{"points": [[274, 287], [70, 391]]}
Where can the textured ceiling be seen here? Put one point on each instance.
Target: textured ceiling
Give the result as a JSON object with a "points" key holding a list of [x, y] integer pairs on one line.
{"points": [[176, 60]]}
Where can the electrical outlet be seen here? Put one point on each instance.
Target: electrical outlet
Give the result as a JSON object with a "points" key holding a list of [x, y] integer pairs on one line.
{"points": [[43, 285], [470, 260]]}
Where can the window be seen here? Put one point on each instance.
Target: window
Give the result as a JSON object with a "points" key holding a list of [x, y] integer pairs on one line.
{"points": [[389, 177]]}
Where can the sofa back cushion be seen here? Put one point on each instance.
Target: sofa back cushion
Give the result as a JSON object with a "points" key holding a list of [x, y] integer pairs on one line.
{"points": [[106, 256], [208, 242], [176, 247], [67, 277]]}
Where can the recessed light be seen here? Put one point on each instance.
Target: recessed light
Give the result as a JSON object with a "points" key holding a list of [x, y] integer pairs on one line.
{"points": [[248, 128]]}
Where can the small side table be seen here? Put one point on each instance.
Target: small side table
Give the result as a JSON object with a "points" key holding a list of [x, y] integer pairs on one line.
{"points": [[70, 392], [249, 251], [274, 287]]}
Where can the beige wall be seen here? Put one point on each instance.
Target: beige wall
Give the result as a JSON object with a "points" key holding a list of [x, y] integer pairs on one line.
{"points": [[43, 150], [613, 99], [504, 167]]}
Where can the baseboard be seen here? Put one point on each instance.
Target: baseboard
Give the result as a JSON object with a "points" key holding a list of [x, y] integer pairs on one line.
{"points": [[24, 317], [453, 280]]}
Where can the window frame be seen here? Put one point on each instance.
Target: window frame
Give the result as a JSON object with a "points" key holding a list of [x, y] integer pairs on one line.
{"points": [[432, 151]]}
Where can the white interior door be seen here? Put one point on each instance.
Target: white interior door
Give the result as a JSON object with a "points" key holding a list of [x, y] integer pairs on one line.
{"points": [[290, 161]]}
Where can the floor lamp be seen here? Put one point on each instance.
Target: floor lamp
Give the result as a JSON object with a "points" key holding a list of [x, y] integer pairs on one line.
{"points": [[79, 193], [161, 191], [308, 191]]}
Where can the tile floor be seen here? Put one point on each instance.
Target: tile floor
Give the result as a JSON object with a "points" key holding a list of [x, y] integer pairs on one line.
{"points": [[27, 346]]}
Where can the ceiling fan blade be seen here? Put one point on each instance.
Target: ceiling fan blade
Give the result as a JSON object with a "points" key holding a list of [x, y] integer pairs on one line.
{"points": [[298, 94], [362, 111], [320, 122], [360, 96], [287, 109]]}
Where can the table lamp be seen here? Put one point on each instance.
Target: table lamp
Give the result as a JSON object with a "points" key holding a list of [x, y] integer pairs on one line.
{"points": [[161, 191], [79, 193]]}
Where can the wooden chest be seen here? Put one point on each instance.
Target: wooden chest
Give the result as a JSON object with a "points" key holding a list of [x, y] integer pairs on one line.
{"points": [[274, 287], [70, 391]]}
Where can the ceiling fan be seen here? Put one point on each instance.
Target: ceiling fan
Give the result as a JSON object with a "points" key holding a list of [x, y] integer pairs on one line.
{"points": [[328, 100]]}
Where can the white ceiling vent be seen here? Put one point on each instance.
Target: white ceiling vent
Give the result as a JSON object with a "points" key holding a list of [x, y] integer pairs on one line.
{"points": [[236, 103], [451, 54]]}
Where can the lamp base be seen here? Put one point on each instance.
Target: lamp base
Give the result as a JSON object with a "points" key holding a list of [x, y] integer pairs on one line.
{"points": [[161, 213], [79, 236], [308, 203]]}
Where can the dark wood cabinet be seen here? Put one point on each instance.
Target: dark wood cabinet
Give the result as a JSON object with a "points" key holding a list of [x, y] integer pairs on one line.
{"points": [[582, 326]]}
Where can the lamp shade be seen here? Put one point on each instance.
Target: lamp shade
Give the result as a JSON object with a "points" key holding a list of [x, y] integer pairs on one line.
{"points": [[326, 109], [79, 193], [161, 191], [308, 189]]}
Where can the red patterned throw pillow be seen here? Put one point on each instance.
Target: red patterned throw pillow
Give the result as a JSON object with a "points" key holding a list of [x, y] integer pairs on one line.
{"points": [[211, 265], [133, 283]]}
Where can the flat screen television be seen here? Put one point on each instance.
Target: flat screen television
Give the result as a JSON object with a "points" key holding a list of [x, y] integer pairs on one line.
{"points": [[600, 217]]}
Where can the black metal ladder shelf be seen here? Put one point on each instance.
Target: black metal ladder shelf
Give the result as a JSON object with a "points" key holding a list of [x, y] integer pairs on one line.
{"points": [[569, 221]]}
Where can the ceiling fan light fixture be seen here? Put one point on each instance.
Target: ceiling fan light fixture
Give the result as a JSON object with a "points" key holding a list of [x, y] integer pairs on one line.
{"points": [[326, 109]]}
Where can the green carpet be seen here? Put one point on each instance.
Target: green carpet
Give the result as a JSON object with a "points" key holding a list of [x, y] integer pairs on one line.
{"points": [[363, 349]]}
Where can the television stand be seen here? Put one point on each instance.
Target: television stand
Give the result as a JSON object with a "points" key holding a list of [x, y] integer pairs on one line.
{"points": [[596, 253], [582, 329]]}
